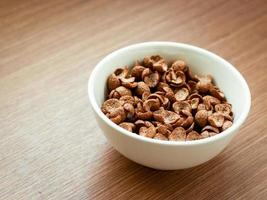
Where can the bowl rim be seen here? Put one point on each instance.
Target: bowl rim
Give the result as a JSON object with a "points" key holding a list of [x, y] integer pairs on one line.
{"points": [[236, 125]]}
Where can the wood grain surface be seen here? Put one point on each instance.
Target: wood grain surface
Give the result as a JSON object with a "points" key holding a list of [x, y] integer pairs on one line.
{"points": [[50, 144]]}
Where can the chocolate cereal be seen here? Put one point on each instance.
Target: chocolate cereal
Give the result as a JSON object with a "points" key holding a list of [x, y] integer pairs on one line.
{"points": [[166, 102]]}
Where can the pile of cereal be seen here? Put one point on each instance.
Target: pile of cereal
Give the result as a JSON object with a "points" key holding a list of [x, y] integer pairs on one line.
{"points": [[165, 102]]}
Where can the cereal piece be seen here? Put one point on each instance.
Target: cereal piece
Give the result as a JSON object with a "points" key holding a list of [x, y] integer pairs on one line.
{"points": [[178, 122], [159, 136], [181, 94], [178, 134], [116, 119], [128, 82], [159, 93], [141, 88], [159, 125], [226, 124], [216, 120], [193, 135], [138, 124], [179, 65], [119, 92], [151, 104], [185, 119], [214, 91], [159, 115], [141, 113], [137, 100], [113, 109], [204, 83], [181, 105], [169, 93], [111, 105], [149, 61], [227, 117], [194, 103], [195, 95], [129, 111], [170, 117], [164, 87], [192, 85], [145, 96], [128, 99], [137, 72], [161, 85], [210, 129], [162, 129], [164, 101], [196, 100], [121, 72], [163, 77], [201, 118], [160, 66], [201, 106], [147, 131], [186, 113], [191, 127], [165, 116], [205, 134], [128, 126], [113, 82], [117, 116], [223, 108], [187, 87], [187, 122], [148, 124], [212, 134], [150, 78], [175, 79], [210, 100]]}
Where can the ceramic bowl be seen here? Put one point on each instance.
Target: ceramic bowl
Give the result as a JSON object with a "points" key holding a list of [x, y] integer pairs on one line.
{"points": [[170, 155]]}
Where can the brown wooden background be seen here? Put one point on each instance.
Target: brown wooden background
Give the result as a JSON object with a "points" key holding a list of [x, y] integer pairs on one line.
{"points": [[50, 144]]}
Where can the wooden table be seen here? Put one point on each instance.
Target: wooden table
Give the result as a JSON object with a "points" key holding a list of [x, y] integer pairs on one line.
{"points": [[50, 144]]}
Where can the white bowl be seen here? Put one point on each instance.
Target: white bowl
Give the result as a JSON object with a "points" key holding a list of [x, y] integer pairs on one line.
{"points": [[170, 155]]}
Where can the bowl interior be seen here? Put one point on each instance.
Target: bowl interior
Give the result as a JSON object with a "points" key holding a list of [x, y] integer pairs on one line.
{"points": [[201, 62]]}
